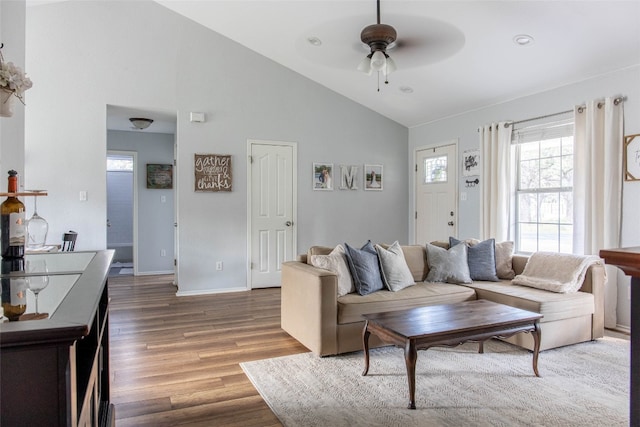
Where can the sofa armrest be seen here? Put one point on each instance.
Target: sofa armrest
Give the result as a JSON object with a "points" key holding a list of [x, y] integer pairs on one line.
{"points": [[309, 307], [594, 283]]}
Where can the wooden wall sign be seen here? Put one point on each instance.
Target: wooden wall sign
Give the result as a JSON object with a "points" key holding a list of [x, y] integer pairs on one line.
{"points": [[213, 172]]}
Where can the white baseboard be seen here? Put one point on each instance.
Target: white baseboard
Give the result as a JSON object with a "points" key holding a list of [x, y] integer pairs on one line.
{"points": [[154, 273], [209, 291]]}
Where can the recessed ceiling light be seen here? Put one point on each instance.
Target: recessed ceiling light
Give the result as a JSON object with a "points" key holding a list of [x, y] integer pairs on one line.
{"points": [[406, 89], [523, 39], [314, 41]]}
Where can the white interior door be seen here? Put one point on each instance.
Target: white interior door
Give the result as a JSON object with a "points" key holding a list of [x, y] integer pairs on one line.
{"points": [[436, 194], [272, 211]]}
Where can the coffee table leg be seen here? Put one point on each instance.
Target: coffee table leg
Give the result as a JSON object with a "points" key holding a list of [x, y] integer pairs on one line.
{"points": [[410, 357], [365, 346], [536, 347]]}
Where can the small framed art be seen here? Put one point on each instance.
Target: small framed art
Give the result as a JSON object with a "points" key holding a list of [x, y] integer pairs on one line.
{"points": [[373, 177], [471, 163], [323, 176], [159, 176]]}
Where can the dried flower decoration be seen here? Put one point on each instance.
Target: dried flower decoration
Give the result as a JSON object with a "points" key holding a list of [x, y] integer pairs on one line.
{"points": [[12, 78]]}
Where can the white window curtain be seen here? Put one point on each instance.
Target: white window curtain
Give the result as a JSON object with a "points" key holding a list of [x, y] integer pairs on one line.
{"points": [[597, 184], [495, 144]]}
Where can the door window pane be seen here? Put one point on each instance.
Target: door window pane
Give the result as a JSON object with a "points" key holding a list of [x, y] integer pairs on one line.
{"points": [[435, 170]]}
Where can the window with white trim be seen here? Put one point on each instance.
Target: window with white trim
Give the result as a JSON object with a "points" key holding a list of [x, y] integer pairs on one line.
{"points": [[544, 187]]}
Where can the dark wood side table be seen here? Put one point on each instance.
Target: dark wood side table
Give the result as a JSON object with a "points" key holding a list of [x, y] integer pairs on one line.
{"points": [[628, 259]]}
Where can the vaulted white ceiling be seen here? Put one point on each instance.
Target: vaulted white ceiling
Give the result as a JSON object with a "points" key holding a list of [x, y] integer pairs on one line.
{"points": [[455, 56]]}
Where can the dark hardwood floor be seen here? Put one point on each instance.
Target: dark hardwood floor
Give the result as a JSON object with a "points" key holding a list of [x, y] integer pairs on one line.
{"points": [[175, 360]]}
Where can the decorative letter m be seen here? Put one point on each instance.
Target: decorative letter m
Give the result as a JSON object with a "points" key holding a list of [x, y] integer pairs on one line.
{"points": [[348, 175]]}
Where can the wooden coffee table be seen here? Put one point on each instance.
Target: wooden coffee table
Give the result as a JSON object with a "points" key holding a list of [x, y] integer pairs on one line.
{"points": [[447, 325]]}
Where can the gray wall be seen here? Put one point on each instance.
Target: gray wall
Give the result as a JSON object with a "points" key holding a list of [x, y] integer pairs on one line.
{"points": [[155, 218], [81, 68]]}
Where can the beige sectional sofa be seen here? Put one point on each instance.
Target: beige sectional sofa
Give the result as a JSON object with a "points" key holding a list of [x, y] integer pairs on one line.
{"points": [[327, 324]]}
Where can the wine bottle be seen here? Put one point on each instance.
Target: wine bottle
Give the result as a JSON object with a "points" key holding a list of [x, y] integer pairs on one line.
{"points": [[12, 223], [14, 289]]}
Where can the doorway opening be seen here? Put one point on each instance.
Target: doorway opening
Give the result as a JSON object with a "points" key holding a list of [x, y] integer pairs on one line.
{"points": [[121, 199]]}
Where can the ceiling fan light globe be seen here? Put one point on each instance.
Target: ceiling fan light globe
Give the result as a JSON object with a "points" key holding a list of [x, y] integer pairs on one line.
{"points": [[365, 65], [391, 66], [378, 61]]}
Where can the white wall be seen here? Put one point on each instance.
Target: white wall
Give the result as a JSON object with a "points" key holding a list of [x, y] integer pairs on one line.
{"points": [[12, 34], [623, 82], [85, 55], [155, 217]]}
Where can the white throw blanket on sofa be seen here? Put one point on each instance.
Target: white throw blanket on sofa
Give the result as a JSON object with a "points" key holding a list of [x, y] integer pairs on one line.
{"points": [[556, 272]]}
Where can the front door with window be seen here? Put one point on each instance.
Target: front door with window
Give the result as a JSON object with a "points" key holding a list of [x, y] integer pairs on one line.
{"points": [[436, 194]]}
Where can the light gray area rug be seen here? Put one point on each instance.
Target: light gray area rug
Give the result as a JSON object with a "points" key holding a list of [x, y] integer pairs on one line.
{"points": [[581, 385]]}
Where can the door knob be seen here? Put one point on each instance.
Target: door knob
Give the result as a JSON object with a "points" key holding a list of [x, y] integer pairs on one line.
{"points": [[450, 223], [288, 223]]}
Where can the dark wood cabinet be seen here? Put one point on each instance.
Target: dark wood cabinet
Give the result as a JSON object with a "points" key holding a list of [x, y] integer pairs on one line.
{"points": [[55, 371]]}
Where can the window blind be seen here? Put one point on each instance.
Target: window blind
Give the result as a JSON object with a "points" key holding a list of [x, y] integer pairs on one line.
{"points": [[539, 132]]}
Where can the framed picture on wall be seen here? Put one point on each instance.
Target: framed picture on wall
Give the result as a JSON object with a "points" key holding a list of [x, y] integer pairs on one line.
{"points": [[159, 176], [373, 177], [323, 176], [471, 163], [632, 157]]}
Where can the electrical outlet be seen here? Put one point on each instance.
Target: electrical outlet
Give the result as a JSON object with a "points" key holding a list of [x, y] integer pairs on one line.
{"points": [[163, 252], [219, 265]]}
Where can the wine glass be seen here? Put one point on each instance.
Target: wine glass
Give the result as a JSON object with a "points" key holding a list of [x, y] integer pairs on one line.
{"points": [[38, 282], [37, 227]]}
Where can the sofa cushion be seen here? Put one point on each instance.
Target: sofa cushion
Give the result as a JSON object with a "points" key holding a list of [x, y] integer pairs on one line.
{"points": [[448, 265], [481, 258], [553, 306], [336, 262], [395, 271], [318, 250], [365, 268], [351, 307]]}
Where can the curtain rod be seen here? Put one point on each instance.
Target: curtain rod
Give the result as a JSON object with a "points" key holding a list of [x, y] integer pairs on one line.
{"points": [[581, 109]]}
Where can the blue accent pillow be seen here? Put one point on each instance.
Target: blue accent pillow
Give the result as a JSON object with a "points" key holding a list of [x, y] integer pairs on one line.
{"points": [[481, 258], [365, 268]]}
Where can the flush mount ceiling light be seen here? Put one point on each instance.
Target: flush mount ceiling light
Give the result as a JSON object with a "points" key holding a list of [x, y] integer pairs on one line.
{"points": [[140, 123], [523, 39], [378, 37]]}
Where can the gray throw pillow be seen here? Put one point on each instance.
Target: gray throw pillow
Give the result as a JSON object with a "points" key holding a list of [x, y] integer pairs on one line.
{"points": [[481, 258], [448, 265], [395, 271], [365, 268]]}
